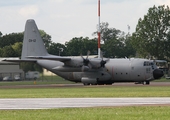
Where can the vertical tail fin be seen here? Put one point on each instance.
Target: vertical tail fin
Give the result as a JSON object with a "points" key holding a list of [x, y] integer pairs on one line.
{"points": [[33, 44]]}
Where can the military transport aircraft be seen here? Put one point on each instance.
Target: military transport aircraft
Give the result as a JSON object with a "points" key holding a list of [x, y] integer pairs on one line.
{"points": [[84, 69]]}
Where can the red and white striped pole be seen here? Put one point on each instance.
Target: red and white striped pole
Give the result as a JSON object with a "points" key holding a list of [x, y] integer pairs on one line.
{"points": [[98, 32]]}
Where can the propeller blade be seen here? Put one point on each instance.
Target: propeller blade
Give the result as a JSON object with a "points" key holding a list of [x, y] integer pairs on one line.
{"points": [[101, 54], [85, 61], [103, 62], [82, 56], [88, 53]]}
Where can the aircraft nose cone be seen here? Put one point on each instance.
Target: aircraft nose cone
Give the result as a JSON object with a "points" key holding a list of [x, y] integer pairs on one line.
{"points": [[157, 73]]}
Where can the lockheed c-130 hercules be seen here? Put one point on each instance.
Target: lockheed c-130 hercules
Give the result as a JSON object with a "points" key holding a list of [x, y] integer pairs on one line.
{"points": [[86, 70]]}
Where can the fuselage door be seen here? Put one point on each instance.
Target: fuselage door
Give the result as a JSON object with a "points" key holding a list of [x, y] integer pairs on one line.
{"points": [[148, 69], [137, 70]]}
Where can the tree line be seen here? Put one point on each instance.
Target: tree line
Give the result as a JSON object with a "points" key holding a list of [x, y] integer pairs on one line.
{"points": [[117, 44], [150, 40]]}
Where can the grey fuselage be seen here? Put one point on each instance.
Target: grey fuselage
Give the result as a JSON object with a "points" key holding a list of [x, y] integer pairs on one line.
{"points": [[116, 70], [85, 69]]}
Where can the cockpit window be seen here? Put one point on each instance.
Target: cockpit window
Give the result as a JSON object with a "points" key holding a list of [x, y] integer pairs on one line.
{"points": [[152, 63], [146, 63]]}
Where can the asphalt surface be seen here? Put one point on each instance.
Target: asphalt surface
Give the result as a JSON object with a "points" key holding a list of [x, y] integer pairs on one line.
{"points": [[49, 103]]}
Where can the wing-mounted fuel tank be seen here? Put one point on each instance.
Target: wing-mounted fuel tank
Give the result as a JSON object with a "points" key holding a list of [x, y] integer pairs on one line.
{"points": [[92, 77]]}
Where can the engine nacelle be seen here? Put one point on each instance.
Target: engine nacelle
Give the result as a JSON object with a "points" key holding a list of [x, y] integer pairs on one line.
{"points": [[94, 63], [67, 69], [92, 77], [88, 80]]}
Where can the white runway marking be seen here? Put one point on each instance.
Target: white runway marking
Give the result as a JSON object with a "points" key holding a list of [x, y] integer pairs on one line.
{"points": [[48, 103]]}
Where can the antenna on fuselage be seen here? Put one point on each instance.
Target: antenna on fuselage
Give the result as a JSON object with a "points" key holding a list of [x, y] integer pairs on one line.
{"points": [[98, 31]]}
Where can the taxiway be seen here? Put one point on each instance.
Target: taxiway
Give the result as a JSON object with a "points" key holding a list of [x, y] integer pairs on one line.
{"points": [[51, 103]]}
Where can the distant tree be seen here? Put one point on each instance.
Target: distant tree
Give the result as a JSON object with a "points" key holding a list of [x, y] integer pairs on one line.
{"points": [[77, 46], [0, 34], [108, 33], [115, 42], [128, 50], [17, 48], [114, 48], [10, 39], [46, 38], [57, 49], [151, 36], [8, 51], [1, 52]]}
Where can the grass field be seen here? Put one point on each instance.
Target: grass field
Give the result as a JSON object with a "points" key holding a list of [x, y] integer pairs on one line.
{"points": [[41, 81], [90, 91], [112, 113]]}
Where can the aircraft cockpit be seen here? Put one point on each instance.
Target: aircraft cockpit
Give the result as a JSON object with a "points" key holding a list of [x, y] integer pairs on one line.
{"points": [[149, 63]]}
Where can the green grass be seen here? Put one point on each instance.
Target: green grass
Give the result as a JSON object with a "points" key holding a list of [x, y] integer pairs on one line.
{"points": [[40, 81], [99, 113], [162, 80], [91, 91]]}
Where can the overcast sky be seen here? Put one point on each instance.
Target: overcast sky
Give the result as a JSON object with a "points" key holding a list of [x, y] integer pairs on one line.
{"points": [[65, 19]]}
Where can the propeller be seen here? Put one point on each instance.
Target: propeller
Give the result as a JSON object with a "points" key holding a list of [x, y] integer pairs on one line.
{"points": [[103, 62], [93, 63], [86, 60], [86, 66]]}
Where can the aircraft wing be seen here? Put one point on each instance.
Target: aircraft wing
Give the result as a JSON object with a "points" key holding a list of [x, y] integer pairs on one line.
{"points": [[19, 60], [35, 58], [57, 58]]}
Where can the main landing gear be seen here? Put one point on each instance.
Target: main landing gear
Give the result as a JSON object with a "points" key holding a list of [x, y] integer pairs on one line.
{"points": [[86, 84], [143, 82]]}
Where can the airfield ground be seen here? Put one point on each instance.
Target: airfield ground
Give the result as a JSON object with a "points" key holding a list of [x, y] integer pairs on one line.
{"points": [[81, 85], [11, 92]]}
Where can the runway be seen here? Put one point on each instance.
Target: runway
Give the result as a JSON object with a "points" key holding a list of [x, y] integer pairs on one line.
{"points": [[51, 103]]}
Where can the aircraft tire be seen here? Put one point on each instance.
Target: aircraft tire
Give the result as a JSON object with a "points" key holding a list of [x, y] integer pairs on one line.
{"points": [[86, 84], [100, 84], [109, 84], [147, 82], [94, 84]]}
